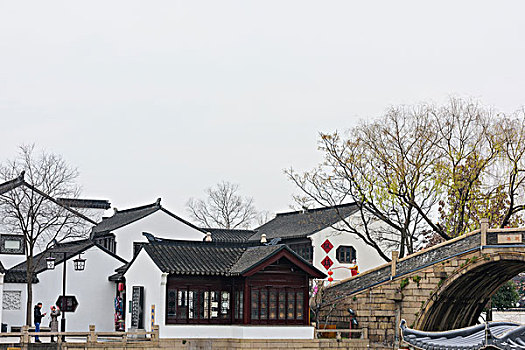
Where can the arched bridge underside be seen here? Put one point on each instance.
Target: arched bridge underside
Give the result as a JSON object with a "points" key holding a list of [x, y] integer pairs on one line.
{"points": [[461, 298]]}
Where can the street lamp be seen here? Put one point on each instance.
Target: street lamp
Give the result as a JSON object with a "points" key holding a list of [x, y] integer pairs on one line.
{"points": [[79, 265]]}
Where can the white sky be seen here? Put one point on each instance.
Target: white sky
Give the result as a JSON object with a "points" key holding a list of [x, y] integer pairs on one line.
{"points": [[165, 98]]}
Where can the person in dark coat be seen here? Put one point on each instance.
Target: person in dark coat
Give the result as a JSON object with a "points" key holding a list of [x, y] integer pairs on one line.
{"points": [[38, 319], [53, 323]]}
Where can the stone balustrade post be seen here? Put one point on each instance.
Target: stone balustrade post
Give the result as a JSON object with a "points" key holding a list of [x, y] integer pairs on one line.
{"points": [[155, 330], [92, 337], [484, 228], [24, 338], [395, 257]]}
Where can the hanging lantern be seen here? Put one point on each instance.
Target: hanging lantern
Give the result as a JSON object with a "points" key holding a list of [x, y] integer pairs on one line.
{"points": [[330, 279], [121, 287], [50, 262], [330, 273], [79, 263]]}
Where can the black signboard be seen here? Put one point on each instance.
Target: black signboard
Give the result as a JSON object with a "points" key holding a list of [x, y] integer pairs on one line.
{"points": [[137, 307], [70, 304]]}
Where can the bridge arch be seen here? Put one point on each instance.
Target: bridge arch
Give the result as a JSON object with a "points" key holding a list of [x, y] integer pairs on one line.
{"points": [[461, 297]]}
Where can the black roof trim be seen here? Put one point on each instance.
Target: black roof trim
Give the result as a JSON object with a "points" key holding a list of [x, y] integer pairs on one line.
{"points": [[85, 203], [19, 181], [339, 206]]}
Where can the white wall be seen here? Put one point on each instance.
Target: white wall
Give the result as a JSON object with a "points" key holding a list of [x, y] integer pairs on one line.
{"points": [[10, 260], [238, 332], [508, 316], [15, 317], [367, 257], [145, 273], [159, 224], [95, 294]]}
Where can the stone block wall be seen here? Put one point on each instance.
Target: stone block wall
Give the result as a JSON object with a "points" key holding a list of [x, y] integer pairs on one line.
{"points": [[231, 344]]}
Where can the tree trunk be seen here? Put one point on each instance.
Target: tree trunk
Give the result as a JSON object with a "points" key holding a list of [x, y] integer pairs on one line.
{"points": [[29, 283]]}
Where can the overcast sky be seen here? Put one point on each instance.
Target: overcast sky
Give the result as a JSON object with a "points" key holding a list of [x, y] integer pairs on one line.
{"points": [[165, 98]]}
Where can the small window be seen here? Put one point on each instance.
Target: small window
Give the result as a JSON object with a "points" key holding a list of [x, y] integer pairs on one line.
{"points": [[12, 244], [304, 250], [345, 254]]}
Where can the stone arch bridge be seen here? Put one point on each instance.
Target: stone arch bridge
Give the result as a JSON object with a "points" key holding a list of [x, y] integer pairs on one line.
{"points": [[440, 288]]}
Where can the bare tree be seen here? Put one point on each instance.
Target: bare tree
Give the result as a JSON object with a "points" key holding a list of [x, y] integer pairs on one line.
{"points": [[30, 209], [420, 171], [223, 208]]}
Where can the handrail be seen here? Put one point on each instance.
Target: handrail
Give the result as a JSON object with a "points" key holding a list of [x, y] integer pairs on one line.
{"points": [[91, 336]]}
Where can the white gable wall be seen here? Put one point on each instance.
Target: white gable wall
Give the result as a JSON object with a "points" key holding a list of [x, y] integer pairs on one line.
{"points": [[367, 257], [159, 224], [144, 272], [10, 260], [94, 293]]}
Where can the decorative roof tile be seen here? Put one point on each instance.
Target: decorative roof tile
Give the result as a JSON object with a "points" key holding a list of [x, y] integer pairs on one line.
{"points": [[298, 224], [228, 235]]}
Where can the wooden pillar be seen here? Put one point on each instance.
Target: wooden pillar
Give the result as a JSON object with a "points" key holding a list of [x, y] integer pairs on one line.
{"points": [[246, 301]]}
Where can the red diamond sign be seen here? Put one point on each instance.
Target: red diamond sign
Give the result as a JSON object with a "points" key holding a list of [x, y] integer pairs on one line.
{"points": [[327, 246], [327, 263]]}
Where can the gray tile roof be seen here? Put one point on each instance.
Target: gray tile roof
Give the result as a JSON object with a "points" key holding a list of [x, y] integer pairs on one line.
{"points": [[227, 235], [122, 218], [194, 258], [211, 258], [493, 335], [299, 224], [125, 217], [253, 256], [17, 274]]}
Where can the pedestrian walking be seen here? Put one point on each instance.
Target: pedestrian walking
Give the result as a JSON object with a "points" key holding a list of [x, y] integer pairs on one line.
{"points": [[53, 323], [38, 319]]}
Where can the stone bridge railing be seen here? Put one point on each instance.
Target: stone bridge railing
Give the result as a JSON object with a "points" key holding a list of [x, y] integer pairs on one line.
{"points": [[430, 256], [411, 263]]}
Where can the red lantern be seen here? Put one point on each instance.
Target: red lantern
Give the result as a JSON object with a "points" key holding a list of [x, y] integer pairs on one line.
{"points": [[330, 273], [330, 279], [120, 287]]}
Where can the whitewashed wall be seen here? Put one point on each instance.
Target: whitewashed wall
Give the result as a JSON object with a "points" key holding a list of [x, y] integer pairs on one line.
{"points": [[13, 307], [238, 332], [10, 260], [367, 257], [95, 294], [145, 273], [160, 224]]}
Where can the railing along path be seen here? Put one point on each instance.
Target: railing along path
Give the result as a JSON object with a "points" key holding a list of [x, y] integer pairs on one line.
{"points": [[91, 337]]}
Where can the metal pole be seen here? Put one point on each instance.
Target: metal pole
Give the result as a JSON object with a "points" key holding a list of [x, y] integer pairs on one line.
{"points": [[62, 307]]}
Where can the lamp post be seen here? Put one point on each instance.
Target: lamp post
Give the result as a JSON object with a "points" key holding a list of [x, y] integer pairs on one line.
{"points": [[79, 265]]}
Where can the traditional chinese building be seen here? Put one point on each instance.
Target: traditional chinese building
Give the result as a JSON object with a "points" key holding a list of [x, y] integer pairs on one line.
{"points": [[220, 290]]}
